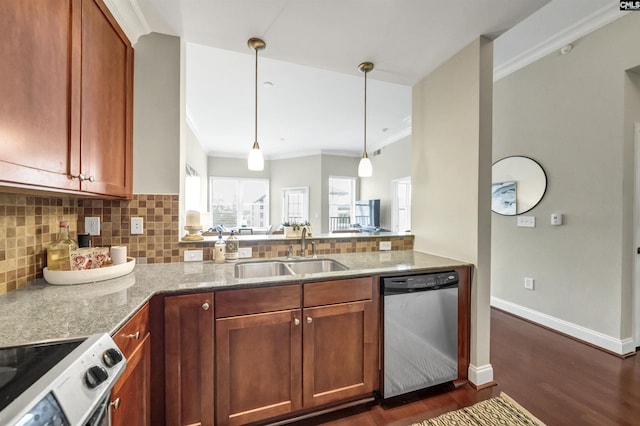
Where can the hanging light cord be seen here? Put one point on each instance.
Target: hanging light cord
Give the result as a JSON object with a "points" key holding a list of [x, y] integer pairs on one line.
{"points": [[256, 105], [365, 112]]}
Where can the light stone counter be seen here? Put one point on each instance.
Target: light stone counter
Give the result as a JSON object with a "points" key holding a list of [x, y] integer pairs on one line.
{"points": [[42, 312]]}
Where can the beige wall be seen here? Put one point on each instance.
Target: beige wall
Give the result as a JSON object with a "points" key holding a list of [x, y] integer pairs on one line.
{"points": [[156, 115], [451, 177], [297, 172], [393, 162], [568, 113]]}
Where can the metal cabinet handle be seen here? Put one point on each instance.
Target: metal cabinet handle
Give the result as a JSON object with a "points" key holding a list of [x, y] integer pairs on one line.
{"points": [[296, 321], [82, 178], [309, 320], [205, 306], [134, 336], [115, 404]]}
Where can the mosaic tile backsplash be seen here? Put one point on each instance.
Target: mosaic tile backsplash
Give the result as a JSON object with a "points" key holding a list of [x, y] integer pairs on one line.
{"points": [[28, 223]]}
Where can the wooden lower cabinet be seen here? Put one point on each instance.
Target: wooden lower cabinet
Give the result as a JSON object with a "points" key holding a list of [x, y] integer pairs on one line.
{"points": [[131, 395], [258, 366], [294, 358], [189, 359], [340, 352]]}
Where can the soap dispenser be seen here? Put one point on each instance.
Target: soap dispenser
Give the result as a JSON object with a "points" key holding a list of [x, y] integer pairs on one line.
{"points": [[232, 248], [220, 249]]}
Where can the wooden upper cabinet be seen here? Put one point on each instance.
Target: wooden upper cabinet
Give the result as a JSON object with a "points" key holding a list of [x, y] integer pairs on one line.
{"points": [[67, 97], [36, 41], [106, 148]]}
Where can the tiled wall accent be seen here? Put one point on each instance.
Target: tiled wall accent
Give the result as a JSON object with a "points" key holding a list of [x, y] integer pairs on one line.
{"points": [[28, 223], [159, 213], [324, 246]]}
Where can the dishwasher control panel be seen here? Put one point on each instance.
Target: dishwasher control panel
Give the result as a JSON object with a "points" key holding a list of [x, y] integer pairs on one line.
{"points": [[420, 282]]}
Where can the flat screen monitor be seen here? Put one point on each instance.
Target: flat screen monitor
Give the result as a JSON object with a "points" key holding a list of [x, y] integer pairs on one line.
{"points": [[368, 213]]}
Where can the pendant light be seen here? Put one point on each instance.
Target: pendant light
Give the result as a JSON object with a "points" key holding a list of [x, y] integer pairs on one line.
{"points": [[256, 160], [365, 169]]}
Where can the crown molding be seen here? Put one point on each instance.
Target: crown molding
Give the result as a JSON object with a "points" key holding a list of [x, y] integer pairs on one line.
{"points": [[130, 18], [592, 22]]}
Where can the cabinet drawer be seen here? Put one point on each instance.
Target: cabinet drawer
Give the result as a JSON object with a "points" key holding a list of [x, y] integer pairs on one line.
{"points": [[339, 291], [130, 335], [256, 300]]}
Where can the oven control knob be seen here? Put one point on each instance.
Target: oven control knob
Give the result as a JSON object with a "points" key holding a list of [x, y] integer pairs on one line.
{"points": [[111, 357], [95, 375]]}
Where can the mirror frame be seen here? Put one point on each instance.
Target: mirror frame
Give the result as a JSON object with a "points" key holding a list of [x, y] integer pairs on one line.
{"points": [[541, 188]]}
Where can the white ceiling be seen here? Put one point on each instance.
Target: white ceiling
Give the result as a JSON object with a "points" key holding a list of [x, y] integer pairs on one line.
{"points": [[313, 49]]}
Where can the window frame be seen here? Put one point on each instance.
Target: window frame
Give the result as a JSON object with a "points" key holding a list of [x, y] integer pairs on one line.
{"points": [[353, 181], [239, 213], [285, 205]]}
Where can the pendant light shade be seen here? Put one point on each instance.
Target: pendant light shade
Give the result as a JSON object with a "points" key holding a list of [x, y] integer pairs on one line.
{"points": [[256, 160], [365, 168]]}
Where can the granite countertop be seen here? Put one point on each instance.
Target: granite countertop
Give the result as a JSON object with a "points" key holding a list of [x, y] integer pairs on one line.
{"points": [[43, 312]]}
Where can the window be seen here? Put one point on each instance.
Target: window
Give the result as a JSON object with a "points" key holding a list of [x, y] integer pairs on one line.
{"points": [[240, 202], [295, 204], [342, 197], [401, 214]]}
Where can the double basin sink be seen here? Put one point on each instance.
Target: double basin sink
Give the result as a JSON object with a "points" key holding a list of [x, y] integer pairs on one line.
{"points": [[274, 268]]}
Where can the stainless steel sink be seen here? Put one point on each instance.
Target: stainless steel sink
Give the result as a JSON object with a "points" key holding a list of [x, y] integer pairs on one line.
{"points": [[315, 266], [274, 268], [261, 269]]}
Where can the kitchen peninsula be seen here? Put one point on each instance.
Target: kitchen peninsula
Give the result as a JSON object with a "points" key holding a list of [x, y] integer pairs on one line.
{"points": [[196, 317]]}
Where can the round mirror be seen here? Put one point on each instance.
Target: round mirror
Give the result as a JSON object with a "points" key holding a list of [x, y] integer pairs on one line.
{"points": [[517, 185]]}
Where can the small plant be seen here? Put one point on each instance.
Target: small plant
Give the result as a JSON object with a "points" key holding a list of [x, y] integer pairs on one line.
{"points": [[296, 225]]}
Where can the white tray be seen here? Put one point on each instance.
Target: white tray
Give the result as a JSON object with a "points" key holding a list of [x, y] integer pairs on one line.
{"points": [[89, 275]]}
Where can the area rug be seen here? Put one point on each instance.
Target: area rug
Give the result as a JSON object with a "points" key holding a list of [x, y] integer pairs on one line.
{"points": [[501, 410]]}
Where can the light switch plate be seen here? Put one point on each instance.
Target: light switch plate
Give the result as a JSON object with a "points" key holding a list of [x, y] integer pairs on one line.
{"points": [[385, 245], [193, 255], [92, 225], [527, 221], [528, 283], [245, 252], [136, 226]]}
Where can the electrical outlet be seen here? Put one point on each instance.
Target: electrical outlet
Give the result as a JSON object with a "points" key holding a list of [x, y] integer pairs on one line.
{"points": [[385, 245], [92, 225], [245, 252], [527, 221], [528, 283], [193, 255], [136, 226]]}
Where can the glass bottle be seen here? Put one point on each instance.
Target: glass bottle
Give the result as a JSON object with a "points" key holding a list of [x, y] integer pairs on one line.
{"points": [[59, 252], [232, 248]]}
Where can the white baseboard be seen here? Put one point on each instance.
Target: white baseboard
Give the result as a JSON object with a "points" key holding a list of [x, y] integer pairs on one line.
{"points": [[618, 346], [480, 375]]}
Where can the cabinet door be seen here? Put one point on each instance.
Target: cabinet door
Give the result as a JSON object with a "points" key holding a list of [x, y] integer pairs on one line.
{"points": [[130, 397], [258, 366], [107, 101], [35, 91], [189, 397], [340, 352]]}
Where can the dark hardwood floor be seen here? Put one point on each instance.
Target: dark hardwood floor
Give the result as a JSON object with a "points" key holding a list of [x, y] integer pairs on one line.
{"points": [[559, 380]]}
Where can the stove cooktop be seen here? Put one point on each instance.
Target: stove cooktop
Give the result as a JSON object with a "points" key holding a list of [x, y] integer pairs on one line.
{"points": [[22, 366]]}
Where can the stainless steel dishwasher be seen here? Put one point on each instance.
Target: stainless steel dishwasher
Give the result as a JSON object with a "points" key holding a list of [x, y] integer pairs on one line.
{"points": [[420, 331]]}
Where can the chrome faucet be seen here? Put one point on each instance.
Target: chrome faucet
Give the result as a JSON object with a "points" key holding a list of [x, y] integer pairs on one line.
{"points": [[303, 242]]}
